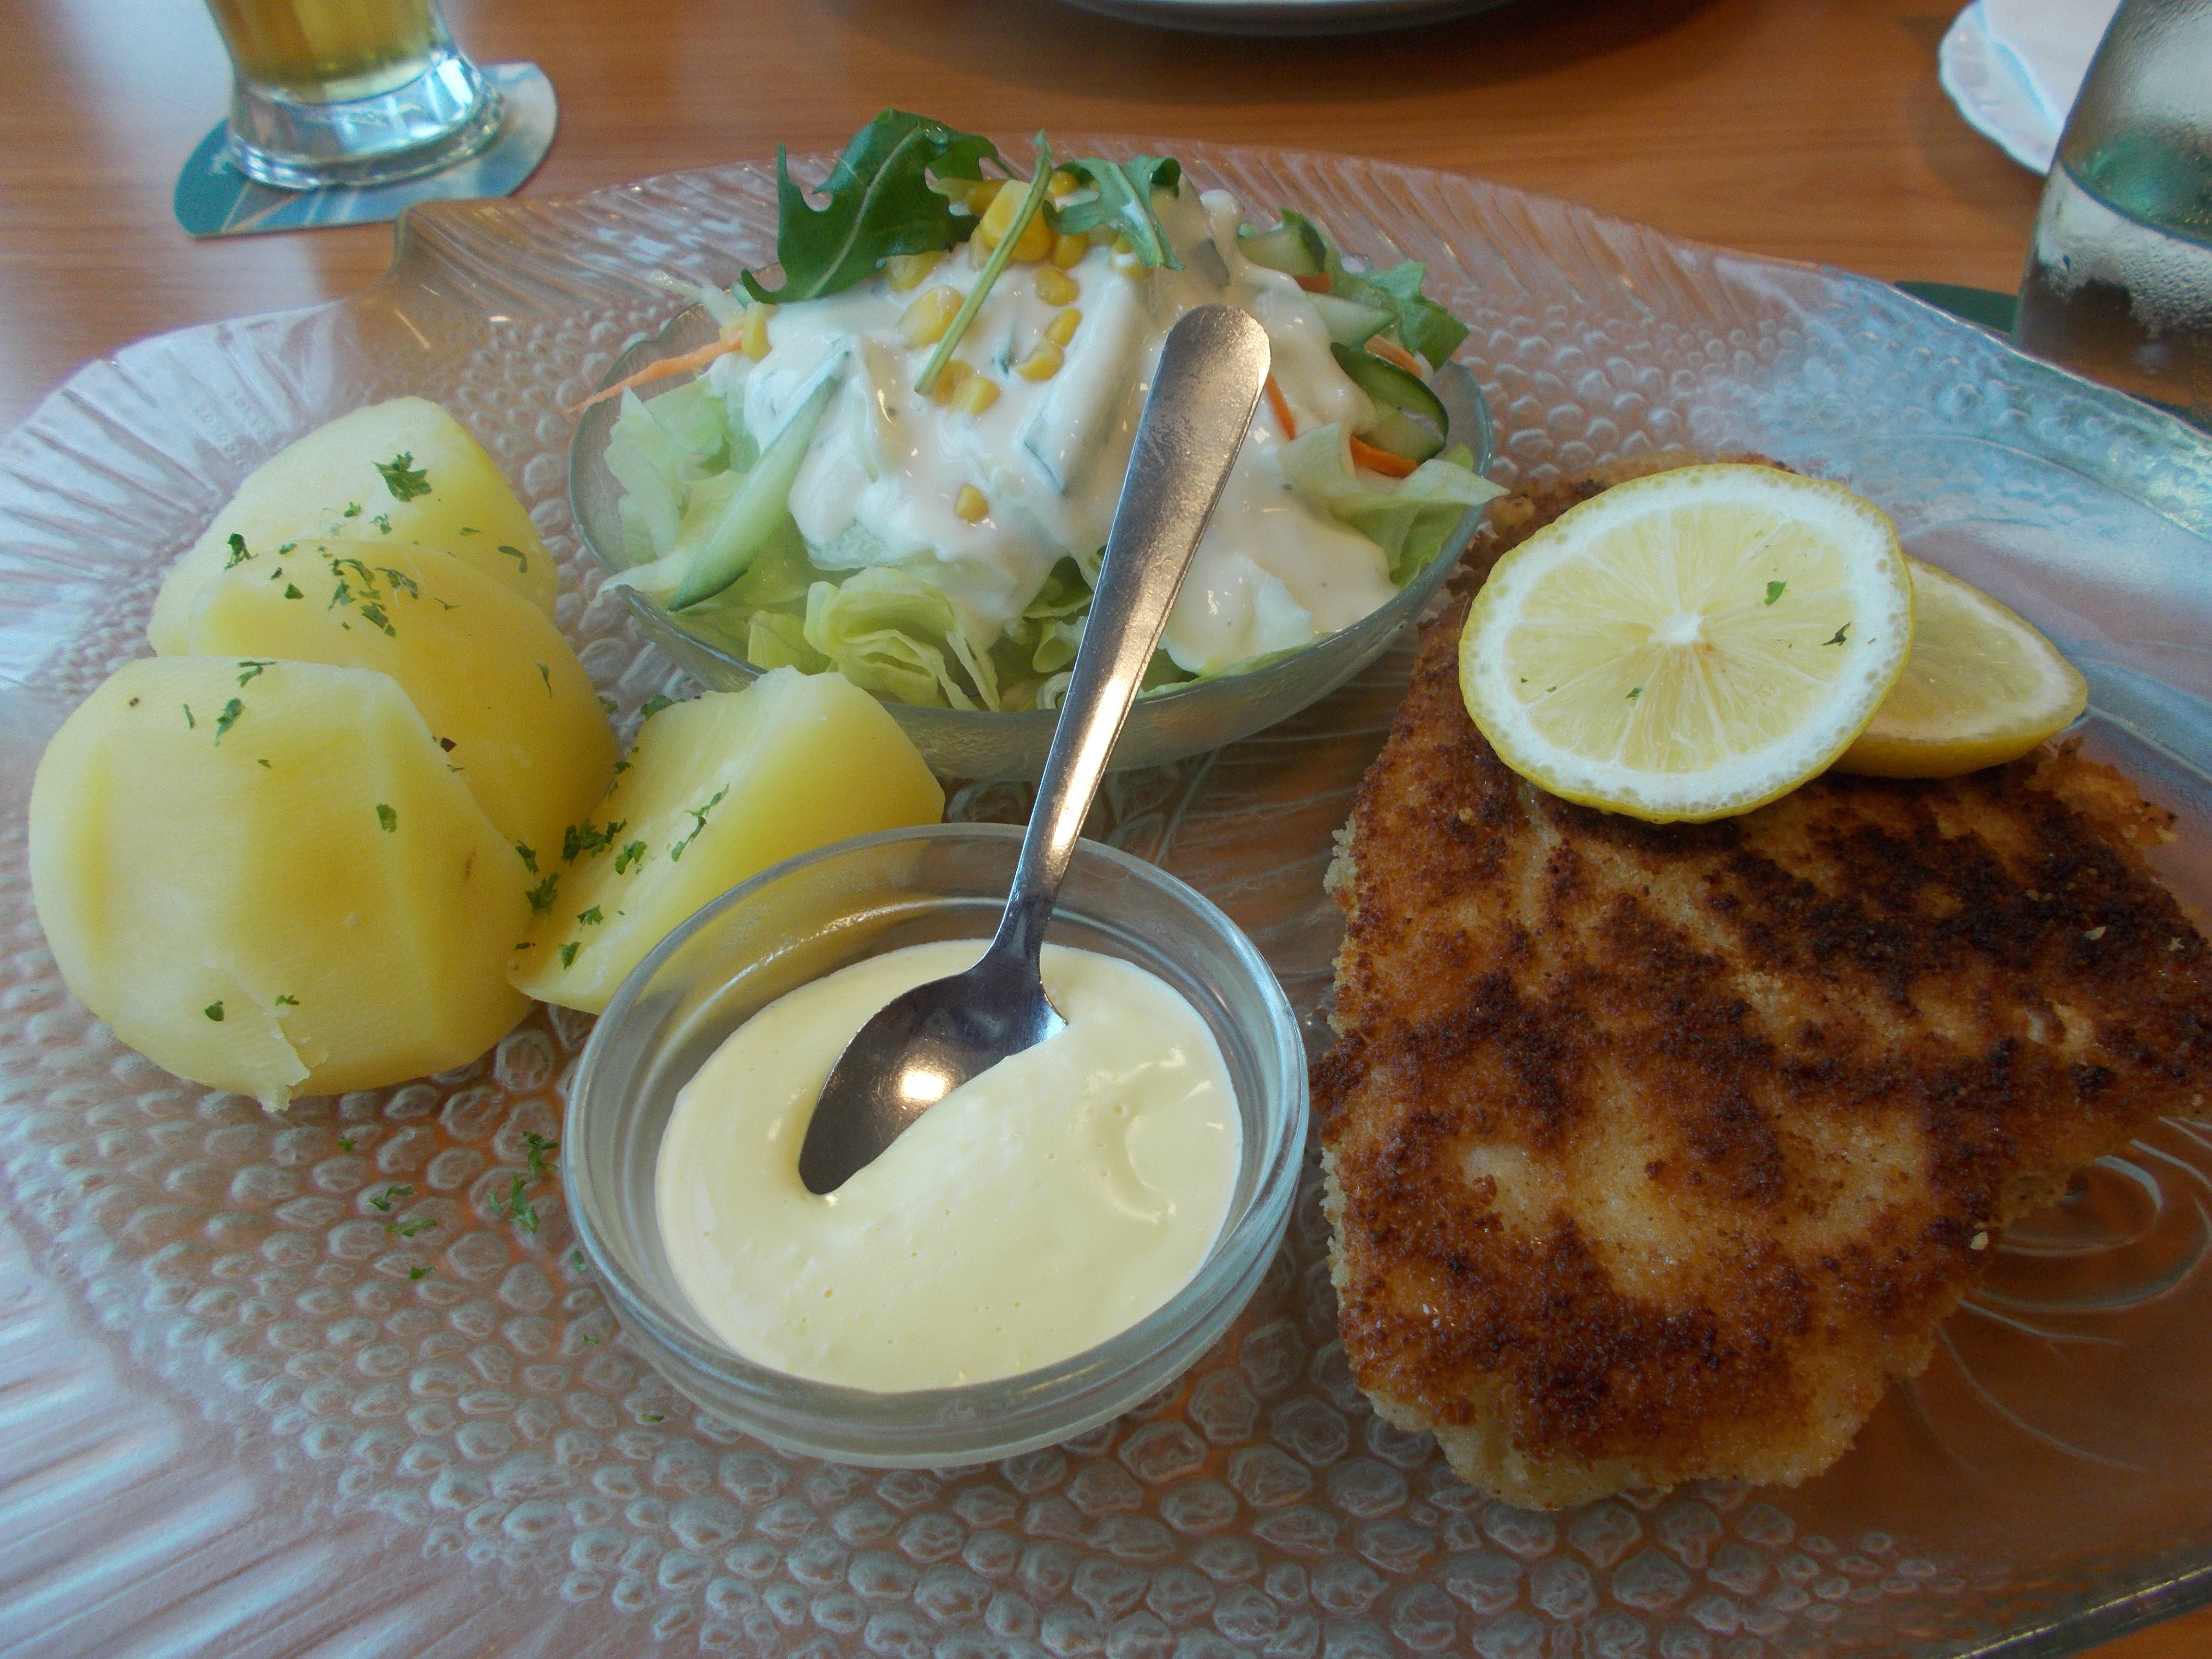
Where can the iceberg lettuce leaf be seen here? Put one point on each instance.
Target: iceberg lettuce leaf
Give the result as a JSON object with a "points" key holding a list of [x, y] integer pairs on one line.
{"points": [[900, 638], [1411, 520]]}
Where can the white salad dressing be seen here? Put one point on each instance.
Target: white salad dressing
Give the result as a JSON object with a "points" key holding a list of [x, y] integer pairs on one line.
{"points": [[882, 481], [1032, 1214]]}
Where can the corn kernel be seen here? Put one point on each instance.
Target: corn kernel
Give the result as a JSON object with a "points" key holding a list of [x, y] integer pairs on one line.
{"points": [[906, 270], [1035, 241], [972, 504], [977, 394], [1061, 329], [924, 322], [1069, 249], [1055, 287], [999, 214], [1062, 183], [1040, 364], [755, 333], [949, 380], [982, 194]]}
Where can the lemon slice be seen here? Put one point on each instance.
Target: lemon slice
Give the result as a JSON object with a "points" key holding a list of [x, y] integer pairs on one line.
{"points": [[1690, 644], [1980, 687]]}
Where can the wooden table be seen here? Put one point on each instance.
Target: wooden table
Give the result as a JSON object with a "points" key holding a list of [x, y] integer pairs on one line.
{"points": [[1807, 130]]}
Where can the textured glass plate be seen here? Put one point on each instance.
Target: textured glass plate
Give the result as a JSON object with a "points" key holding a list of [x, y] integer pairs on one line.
{"points": [[230, 1423]]}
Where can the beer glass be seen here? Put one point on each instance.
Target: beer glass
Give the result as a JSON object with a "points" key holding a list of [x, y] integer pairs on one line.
{"points": [[2119, 280], [349, 92]]}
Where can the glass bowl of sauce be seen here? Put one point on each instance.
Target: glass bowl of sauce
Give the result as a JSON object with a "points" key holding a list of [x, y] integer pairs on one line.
{"points": [[791, 929]]}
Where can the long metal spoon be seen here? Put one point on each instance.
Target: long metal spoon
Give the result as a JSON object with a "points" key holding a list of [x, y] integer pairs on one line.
{"points": [[929, 1042]]}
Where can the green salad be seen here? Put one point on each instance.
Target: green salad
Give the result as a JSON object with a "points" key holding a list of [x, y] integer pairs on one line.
{"points": [[902, 462]]}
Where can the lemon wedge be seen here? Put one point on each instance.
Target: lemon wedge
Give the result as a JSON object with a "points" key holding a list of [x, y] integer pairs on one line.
{"points": [[1980, 687], [1690, 644]]}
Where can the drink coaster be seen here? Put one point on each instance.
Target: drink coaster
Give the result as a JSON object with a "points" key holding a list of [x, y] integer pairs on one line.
{"points": [[213, 199]]}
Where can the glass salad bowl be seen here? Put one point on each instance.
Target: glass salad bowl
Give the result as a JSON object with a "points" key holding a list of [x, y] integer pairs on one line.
{"points": [[1166, 724]]}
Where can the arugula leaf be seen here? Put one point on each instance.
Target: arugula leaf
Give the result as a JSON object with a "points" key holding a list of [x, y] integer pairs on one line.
{"points": [[879, 203], [1420, 324], [1124, 202]]}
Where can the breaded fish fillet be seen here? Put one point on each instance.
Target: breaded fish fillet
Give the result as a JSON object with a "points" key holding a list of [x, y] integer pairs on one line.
{"points": [[1654, 1151]]}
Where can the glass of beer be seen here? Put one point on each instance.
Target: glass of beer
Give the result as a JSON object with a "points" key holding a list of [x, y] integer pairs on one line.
{"points": [[349, 92], [2119, 281]]}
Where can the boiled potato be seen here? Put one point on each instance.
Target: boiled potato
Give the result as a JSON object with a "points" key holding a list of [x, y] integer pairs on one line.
{"points": [[716, 791], [487, 671], [404, 472], [267, 879]]}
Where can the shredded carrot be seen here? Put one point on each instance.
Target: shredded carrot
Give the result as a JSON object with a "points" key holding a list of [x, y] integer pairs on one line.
{"points": [[1391, 352], [1316, 284], [661, 370], [1281, 405], [1381, 460]]}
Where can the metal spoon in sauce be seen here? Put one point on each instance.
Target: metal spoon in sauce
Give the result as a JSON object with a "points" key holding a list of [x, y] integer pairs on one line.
{"points": [[929, 1042]]}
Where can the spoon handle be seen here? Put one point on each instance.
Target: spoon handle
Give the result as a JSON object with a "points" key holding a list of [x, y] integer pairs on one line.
{"points": [[1211, 369]]}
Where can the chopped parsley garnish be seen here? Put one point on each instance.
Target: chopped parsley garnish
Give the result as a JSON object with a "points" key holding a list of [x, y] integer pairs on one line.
{"points": [[541, 1151], [265, 765], [528, 856], [382, 1200], [229, 718], [541, 896], [1634, 692], [652, 1417], [576, 1257], [579, 839], [629, 857], [287, 1002], [518, 1205], [403, 478], [568, 953], [352, 510], [407, 1229], [345, 1143], [1837, 638], [698, 815], [653, 706], [1774, 591], [385, 817], [590, 918], [383, 523], [401, 582], [468, 530], [238, 553], [607, 704], [520, 558], [293, 592], [546, 674], [249, 668], [214, 1011], [418, 1273], [190, 725]]}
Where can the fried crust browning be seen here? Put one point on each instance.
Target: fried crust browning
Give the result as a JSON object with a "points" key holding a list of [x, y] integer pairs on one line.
{"points": [[1654, 1150]]}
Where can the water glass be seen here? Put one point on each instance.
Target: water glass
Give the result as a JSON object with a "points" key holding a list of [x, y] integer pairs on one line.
{"points": [[349, 92], [2119, 280]]}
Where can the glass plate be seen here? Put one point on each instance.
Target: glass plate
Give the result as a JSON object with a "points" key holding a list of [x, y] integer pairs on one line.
{"points": [[230, 1422]]}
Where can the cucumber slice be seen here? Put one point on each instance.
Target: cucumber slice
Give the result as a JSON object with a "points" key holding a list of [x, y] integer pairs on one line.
{"points": [[1400, 388], [1348, 322], [1401, 435], [1293, 247], [756, 508]]}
